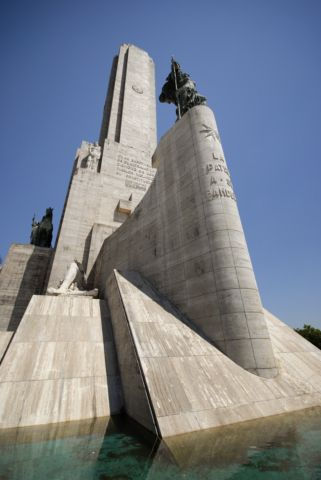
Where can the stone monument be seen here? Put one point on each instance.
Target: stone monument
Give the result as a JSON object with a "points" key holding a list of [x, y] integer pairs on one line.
{"points": [[179, 338], [115, 173]]}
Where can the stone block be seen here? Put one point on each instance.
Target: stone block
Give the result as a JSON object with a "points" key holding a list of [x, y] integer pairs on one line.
{"points": [[23, 274], [256, 325], [246, 278], [251, 300], [241, 257], [62, 364], [235, 326], [219, 239], [242, 351], [230, 301], [226, 278]]}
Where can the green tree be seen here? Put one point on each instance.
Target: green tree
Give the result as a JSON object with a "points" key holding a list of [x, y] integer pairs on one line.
{"points": [[310, 333]]}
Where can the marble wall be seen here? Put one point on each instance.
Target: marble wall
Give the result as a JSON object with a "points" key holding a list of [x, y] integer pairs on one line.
{"points": [[186, 237]]}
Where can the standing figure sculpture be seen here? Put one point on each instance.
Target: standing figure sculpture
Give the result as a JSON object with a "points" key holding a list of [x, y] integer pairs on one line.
{"points": [[180, 89], [93, 156], [41, 232], [34, 231]]}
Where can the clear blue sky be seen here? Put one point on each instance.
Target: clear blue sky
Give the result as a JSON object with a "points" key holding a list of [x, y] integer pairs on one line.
{"points": [[256, 61]]}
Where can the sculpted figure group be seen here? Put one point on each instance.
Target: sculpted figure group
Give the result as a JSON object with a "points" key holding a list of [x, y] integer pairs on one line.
{"points": [[180, 89], [41, 232]]}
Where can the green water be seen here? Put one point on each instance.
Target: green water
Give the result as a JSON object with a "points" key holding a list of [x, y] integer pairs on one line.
{"points": [[284, 447]]}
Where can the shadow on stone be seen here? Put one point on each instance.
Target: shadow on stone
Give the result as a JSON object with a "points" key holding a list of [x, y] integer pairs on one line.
{"points": [[86, 250], [23, 275], [146, 287], [111, 362]]}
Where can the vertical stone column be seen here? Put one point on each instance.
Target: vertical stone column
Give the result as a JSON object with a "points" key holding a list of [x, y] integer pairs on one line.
{"points": [[246, 338], [130, 113], [186, 237]]}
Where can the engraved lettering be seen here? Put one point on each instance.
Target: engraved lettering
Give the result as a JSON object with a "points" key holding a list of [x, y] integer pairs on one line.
{"points": [[215, 157], [137, 174], [220, 192]]}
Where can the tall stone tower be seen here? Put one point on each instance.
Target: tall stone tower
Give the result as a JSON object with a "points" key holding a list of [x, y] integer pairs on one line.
{"points": [[109, 179]]}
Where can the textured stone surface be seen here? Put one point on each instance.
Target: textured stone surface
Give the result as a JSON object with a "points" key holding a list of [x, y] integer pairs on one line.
{"points": [[190, 383], [124, 173], [5, 338], [136, 399], [22, 276], [187, 238], [130, 113], [61, 364]]}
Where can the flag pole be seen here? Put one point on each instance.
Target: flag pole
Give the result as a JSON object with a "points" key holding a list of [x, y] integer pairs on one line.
{"points": [[176, 89]]}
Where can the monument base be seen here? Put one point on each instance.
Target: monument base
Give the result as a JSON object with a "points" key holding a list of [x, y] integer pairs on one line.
{"points": [[60, 365], [187, 383]]}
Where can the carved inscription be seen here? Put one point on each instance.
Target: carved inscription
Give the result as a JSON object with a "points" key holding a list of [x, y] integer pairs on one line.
{"points": [[210, 133], [219, 179], [218, 157], [220, 192], [137, 174]]}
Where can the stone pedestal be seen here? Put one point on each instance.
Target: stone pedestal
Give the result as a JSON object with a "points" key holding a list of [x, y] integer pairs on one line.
{"points": [[61, 364], [23, 275]]}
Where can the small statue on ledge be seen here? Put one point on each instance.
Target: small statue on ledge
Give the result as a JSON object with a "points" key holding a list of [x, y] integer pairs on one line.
{"points": [[74, 283], [93, 156], [41, 232], [180, 89]]}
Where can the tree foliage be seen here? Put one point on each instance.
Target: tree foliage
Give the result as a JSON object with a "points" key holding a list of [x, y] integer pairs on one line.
{"points": [[310, 333]]}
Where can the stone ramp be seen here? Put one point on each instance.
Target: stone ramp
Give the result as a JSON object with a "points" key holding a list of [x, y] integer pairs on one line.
{"points": [[189, 384], [61, 364]]}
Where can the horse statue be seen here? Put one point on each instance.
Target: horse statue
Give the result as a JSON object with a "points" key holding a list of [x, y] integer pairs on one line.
{"points": [[180, 89], [41, 232]]}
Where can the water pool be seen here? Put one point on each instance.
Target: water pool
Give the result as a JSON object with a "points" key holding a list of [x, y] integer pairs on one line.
{"points": [[283, 447]]}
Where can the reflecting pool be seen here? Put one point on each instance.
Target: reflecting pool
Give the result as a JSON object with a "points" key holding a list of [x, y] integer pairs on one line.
{"points": [[282, 447]]}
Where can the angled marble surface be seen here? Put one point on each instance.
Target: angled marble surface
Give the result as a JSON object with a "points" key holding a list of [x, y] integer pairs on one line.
{"points": [[61, 364], [5, 338], [190, 383]]}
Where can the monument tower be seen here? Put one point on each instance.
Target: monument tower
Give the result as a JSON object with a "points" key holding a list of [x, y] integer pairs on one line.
{"points": [[178, 338], [110, 178]]}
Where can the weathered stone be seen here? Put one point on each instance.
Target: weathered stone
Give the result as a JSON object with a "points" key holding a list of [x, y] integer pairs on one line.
{"points": [[145, 242], [23, 275], [175, 381], [61, 364], [123, 171]]}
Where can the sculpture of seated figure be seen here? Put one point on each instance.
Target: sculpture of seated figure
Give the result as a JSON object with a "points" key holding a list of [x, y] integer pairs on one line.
{"points": [[74, 283]]}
